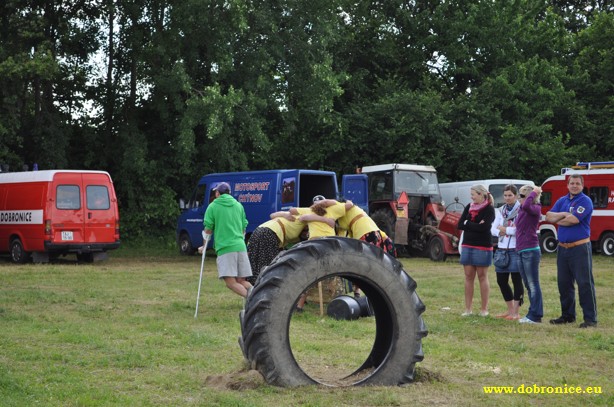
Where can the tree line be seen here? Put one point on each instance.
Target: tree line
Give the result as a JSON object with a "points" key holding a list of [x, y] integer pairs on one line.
{"points": [[160, 92]]}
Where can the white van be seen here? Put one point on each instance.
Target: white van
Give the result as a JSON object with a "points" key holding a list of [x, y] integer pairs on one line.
{"points": [[456, 195]]}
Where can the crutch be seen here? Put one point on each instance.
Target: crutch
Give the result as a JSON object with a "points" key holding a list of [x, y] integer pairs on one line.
{"points": [[202, 265]]}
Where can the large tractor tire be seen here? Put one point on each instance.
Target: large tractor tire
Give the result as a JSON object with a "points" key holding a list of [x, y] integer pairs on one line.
{"points": [[399, 327]]}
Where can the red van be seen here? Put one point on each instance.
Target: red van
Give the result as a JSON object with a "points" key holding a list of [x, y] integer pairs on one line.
{"points": [[599, 186], [45, 214]]}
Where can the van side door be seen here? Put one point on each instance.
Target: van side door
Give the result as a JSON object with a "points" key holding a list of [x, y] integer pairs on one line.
{"points": [[68, 209], [354, 187], [99, 209]]}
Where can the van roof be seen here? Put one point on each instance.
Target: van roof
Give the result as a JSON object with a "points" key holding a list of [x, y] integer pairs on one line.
{"points": [[40, 176], [569, 171], [403, 167], [488, 182], [262, 172]]}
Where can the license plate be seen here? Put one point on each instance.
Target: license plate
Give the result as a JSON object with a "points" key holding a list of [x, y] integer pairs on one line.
{"points": [[67, 236]]}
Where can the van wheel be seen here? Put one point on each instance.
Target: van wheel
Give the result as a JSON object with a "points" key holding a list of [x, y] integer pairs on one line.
{"points": [[548, 242], [606, 244], [399, 328], [18, 254], [185, 245], [436, 249]]}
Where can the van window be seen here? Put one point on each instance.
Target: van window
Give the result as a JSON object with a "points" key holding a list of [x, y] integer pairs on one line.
{"points": [[599, 196], [97, 197], [496, 190], [198, 197], [68, 197], [287, 192], [546, 199]]}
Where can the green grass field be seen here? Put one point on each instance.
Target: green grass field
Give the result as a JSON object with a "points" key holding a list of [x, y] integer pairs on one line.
{"points": [[123, 332]]}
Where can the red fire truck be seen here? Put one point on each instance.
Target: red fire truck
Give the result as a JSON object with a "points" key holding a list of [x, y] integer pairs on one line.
{"points": [[45, 214], [599, 186]]}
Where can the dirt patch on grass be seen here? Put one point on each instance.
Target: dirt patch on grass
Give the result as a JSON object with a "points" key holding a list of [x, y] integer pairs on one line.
{"points": [[423, 375], [252, 379], [243, 380]]}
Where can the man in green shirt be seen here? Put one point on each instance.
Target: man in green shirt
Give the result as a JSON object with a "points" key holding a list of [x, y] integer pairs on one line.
{"points": [[225, 217]]}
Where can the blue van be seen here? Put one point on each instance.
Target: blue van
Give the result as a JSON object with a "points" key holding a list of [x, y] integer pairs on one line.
{"points": [[260, 192]]}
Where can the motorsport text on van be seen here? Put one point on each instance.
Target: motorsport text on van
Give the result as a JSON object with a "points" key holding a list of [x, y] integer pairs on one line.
{"points": [[260, 192], [45, 214]]}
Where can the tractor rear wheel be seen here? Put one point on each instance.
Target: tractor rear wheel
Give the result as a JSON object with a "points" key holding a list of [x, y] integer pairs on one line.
{"points": [[265, 319], [384, 219]]}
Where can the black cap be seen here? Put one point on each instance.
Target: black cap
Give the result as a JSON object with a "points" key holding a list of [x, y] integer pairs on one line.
{"points": [[222, 188]]}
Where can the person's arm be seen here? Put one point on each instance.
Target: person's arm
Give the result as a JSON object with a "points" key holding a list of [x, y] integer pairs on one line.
{"points": [[245, 221], [283, 214], [327, 202], [568, 220], [510, 230], [497, 225], [312, 217], [555, 217], [582, 210], [529, 204], [206, 237], [484, 224], [463, 219]]}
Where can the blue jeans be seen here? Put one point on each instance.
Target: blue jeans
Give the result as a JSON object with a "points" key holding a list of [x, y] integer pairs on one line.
{"points": [[576, 264], [528, 263]]}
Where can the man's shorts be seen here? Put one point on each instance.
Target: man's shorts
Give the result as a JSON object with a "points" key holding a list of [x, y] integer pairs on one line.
{"points": [[234, 264]]}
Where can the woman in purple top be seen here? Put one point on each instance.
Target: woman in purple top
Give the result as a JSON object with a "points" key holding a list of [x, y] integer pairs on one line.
{"points": [[529, 254]]}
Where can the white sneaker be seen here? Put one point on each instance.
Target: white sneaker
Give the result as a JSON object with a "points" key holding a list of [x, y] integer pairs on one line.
{"points": [[466, 313], [484, 313], [526, 320]]}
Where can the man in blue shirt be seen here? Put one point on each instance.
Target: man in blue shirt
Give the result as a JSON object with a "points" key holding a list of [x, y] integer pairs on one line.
{"points": [[572, 213]]}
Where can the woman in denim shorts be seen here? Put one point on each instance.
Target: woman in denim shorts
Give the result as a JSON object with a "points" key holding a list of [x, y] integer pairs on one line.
{"points": [[476, 253]]}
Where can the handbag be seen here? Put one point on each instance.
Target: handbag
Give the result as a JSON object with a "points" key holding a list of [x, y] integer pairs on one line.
{"points": [[502, 257]]}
